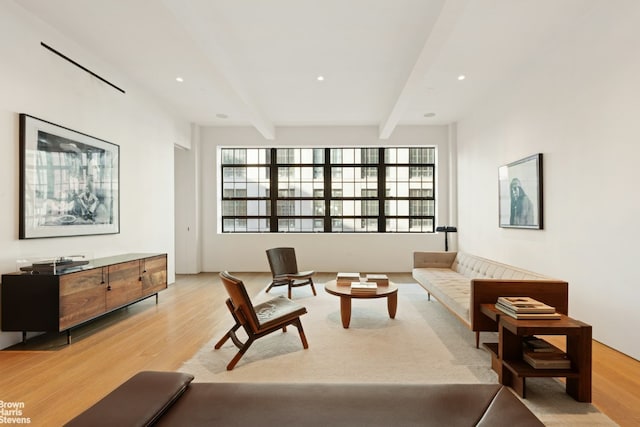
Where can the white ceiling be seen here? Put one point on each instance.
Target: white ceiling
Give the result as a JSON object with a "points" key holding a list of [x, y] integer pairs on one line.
{"points": [[385, 62]]}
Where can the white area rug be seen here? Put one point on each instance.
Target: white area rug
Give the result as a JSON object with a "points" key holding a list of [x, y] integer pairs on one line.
{"points": [[423, 344]]}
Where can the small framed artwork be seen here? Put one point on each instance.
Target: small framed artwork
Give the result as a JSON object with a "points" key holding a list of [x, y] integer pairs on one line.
{"points": [[69, 182], [520, 193]]}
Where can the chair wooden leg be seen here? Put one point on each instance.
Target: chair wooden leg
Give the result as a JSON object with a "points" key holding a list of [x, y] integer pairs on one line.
{"points": [[477, 339], [303, 338], [231, 334], [241, 353], [222, 341], [245, 346], [313, 288]]}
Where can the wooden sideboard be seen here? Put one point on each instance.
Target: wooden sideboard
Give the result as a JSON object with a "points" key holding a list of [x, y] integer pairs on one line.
{"points": [[59, 302]]}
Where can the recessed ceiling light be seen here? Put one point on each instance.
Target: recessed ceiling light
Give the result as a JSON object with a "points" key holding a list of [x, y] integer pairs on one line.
{"points": [[320, 78], [179, 79], [222, 116], [429, 114], [462, 77]]}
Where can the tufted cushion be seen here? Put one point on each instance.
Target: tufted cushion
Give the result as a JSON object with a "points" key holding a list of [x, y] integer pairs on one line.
{"points": [[448, 287], [452, 285], [475, 267]]}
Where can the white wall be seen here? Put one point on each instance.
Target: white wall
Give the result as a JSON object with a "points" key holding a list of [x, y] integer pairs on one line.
{"points": [[39, 83], [577, 103], [320, 252]]}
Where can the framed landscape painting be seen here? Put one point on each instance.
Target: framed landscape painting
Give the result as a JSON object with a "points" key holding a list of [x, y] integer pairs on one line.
{"points": [[520, 193], [69, 182]]}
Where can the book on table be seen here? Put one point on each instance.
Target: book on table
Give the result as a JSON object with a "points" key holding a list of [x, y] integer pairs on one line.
{"points": [[345, 279], [363, 287], [526, 308], [551, 360], [525, 305], [537, 345], [528, 316], [380, 279]]}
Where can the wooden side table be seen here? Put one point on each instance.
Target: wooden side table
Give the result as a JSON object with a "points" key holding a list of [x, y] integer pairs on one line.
{"points": [[506, 355]]}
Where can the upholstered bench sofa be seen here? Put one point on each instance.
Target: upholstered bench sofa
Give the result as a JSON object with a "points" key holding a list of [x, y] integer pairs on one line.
{"points": [[462, 282], [171, 399]]}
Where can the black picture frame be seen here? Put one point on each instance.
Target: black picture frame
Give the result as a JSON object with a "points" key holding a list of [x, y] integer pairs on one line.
{"points": [[520, 193], [69, 182]]}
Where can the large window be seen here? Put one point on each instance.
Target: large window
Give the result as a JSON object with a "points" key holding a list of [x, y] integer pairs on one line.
{"points": [[341, 190]]}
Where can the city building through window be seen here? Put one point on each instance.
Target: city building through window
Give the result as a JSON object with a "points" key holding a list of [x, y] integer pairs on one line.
{"points": [[328, 190]]}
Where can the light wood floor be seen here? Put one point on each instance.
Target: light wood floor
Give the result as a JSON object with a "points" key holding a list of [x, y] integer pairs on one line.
{"points": [[56, 381]]}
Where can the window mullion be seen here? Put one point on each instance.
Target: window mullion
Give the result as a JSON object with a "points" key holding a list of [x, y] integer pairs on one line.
{"points": [[382, 196], [327, 190], [273, 191]]}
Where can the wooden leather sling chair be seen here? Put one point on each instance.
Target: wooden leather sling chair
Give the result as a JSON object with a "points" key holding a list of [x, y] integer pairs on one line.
{"points": [[284, 268], [257, 321]]}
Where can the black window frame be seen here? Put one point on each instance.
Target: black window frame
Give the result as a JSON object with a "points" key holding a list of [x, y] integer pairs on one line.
{"points": [[279, 191]]}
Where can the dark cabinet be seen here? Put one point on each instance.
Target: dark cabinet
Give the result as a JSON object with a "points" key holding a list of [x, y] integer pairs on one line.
{"points": [[58, 302]]}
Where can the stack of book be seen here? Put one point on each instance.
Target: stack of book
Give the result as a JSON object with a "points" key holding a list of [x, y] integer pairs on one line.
{"points": [[554, 359], [363, 288], [526, 308], [537, 345], [541, 355], [379, 279], [345, 279]]}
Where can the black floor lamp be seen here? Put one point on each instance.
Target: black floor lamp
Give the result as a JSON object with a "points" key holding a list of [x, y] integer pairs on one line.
{"points": [[447, 229]]}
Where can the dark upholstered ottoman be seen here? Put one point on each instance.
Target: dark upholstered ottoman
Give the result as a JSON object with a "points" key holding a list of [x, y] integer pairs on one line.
{"points": [[170, 399]]}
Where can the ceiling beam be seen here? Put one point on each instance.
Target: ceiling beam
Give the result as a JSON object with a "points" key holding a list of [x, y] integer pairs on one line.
{"points": [[444, 25], [193, 24]]}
